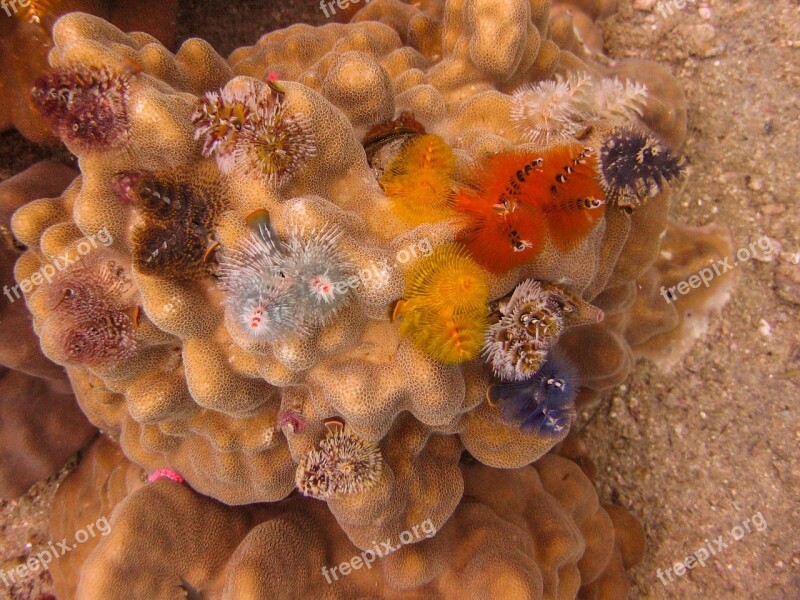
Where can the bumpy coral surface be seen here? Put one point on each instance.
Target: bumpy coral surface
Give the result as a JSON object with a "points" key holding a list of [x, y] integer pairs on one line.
{"points": [[41, 425], [260, 287], [164, 540], [25, 42], [90, 493]]}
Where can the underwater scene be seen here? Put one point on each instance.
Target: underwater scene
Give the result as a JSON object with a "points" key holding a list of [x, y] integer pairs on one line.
{"points": [[390, 299]]}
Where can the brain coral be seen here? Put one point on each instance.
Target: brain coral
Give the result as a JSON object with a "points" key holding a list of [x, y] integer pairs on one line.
{"points": [[210, 335], [565, 542]]}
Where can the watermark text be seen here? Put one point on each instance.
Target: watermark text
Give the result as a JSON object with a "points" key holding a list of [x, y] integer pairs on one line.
{"points": [[49, 270], [718, 267], [57, 550], [368, 556], [712, 548]]}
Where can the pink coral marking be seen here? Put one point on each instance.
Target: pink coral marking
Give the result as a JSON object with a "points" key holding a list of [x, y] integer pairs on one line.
{"points": [[123, 185], [165, 474], [292, 421]]}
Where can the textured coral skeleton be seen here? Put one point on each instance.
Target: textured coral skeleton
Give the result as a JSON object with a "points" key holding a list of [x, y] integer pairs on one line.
{"points": [[237, 343], [266, 551]]}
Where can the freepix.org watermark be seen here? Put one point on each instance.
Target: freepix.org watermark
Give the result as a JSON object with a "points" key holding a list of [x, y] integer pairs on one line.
{"points": [[378, 273], [57, 550], [711, 548], [368, 556], [329, 6], [48, 271], [5, 4], [667, 8], [718, 267]]}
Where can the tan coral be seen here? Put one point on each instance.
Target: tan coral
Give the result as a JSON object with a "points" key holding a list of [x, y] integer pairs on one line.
{"points": [[165, 540], [25, 42], [643, 320], [197, 395], [40, 428], [41, 425], [686, 252], [87, 496]]}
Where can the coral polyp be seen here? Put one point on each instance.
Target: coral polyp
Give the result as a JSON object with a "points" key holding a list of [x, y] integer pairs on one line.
{"points": [[317, 270], [247, 128], [419, 181], [445, 305], [634, 164], [343, 463], [87, 107], [549, 111], [544, 403], [92, 310], [527, 324]]}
